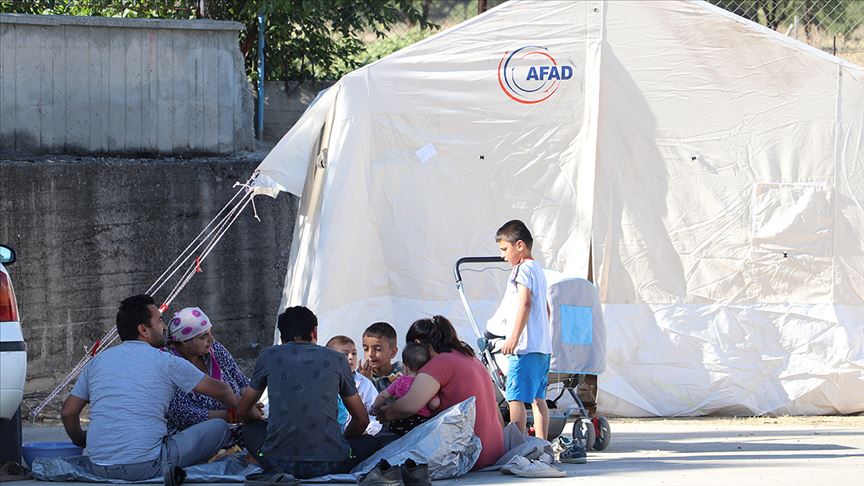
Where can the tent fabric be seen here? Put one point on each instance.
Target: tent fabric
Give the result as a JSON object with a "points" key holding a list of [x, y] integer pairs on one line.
{"points": [[711, 169]]}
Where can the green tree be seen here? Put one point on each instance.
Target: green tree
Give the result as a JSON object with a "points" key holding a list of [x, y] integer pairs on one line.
{"points": [[304, 39]]}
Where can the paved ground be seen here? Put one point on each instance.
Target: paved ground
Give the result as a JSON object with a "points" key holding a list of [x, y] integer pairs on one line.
{"points": [[784, 451]]}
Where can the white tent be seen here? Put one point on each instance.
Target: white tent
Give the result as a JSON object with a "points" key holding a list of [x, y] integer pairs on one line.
{"points": [[712, 169]]}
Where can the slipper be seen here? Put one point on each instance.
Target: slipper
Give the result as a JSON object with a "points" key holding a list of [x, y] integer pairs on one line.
{"points": [[174, 476], [12, 471]]}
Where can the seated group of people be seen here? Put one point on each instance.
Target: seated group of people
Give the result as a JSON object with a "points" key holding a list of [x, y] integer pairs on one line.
{"points": [[157, 404]]}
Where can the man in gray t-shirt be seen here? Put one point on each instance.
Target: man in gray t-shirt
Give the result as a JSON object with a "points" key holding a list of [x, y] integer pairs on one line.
{"points": [[129, 388], [302, 435]]}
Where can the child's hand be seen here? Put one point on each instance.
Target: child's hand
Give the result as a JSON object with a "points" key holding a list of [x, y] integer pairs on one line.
{"points": [[256, 412], [509, 346], [365, 368], [381, 414], [434, 403]]}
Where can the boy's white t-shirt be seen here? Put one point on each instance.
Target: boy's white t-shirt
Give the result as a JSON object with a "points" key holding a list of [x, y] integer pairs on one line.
{"points": [[537, 336], [367, 393]]}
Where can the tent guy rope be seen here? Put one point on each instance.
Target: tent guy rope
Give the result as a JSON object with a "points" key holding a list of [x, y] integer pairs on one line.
{"points": [[190, 257]]}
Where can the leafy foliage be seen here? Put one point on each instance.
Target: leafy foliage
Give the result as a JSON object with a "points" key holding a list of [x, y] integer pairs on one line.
{"points": [[383, 47], [322, 39], [305, 39]]}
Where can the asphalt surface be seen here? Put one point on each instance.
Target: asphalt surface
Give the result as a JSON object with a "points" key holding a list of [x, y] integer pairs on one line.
{"points": [[729, 452]]}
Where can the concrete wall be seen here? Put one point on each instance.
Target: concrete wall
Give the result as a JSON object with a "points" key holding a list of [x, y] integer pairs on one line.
{"points": [[91, 231], [283, 107], [106, 85]]}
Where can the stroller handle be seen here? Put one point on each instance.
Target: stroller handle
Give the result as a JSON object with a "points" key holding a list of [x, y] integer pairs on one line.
{"points": [[459, 262]]}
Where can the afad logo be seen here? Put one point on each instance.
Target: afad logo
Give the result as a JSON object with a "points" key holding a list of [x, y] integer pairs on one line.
{"points": [[531, 74]]}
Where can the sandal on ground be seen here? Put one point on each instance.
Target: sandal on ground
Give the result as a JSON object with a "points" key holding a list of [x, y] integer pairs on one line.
{"points": [[12, 471], [174, 476]]}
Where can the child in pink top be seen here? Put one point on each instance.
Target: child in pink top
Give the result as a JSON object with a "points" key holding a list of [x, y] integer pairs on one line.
{"points": [[414, 357]]}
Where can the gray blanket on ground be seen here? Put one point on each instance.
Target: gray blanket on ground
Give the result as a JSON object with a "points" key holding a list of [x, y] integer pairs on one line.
{"points": [[518, 444], [231, 469], [446, 442]]}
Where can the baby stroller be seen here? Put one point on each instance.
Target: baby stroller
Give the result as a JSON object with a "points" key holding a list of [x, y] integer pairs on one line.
{"points": [[579, 349]]}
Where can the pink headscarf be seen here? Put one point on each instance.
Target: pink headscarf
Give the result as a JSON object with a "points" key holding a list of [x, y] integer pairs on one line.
{"points": [[188, 323]]}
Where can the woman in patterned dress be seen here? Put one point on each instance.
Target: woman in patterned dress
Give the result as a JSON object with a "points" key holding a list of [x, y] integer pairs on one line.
{"points": [[189, 337]]}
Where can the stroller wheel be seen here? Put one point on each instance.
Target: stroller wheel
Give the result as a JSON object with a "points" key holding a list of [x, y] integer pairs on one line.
{"points": [[604, 433], [584, 433]]}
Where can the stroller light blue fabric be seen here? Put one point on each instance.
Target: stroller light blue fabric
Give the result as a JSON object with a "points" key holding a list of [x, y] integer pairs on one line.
{"points": [[578, 329], [577, 324]]}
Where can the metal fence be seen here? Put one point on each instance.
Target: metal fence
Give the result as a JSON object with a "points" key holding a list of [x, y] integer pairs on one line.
{"points": [[833, 26]]}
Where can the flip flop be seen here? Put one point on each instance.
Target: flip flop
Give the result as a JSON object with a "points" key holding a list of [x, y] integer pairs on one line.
{"points": [[174, 476], [12, 471]]}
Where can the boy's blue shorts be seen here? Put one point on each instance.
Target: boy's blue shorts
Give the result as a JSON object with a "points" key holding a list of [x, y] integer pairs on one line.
{"points": [[526, 377]]}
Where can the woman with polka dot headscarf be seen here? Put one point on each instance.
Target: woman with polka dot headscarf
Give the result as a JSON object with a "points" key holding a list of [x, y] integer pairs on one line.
{"points": [[189, 337]]}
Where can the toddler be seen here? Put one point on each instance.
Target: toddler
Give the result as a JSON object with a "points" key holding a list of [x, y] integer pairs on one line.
{"points": [[414, 356]]}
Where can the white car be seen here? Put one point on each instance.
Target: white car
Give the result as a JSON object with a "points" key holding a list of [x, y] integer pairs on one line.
{"points": [[13, 350]]}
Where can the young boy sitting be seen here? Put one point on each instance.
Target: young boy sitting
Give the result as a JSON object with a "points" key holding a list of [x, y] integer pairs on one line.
{"points": [[414, 356], [379, 348], [365, 388], [529, 336]]}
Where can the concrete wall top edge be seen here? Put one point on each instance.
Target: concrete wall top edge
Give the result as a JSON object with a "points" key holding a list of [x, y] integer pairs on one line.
{"points": [[58, 20]]}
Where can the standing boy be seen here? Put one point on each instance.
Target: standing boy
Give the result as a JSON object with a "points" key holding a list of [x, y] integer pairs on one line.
{"points": [[379, 348], [529, 338]]}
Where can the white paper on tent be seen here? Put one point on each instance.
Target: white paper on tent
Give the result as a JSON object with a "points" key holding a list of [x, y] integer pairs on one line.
{"points": [[426, 152]]}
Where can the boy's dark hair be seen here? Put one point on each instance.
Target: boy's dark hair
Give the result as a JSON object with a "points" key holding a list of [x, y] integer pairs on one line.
{"points": [[297, 322], [340, 340], [513, 231], [133, 311], [381, 330], [415, 356]]}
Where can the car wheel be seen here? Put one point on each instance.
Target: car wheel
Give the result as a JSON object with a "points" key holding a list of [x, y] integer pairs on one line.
{"points": [[10, 437]]}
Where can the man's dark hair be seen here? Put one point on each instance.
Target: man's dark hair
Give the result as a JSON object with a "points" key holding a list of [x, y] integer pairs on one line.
{"points": [[133, 311], [297, 322], [415, 356], [513, 231], [381, 330]]}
